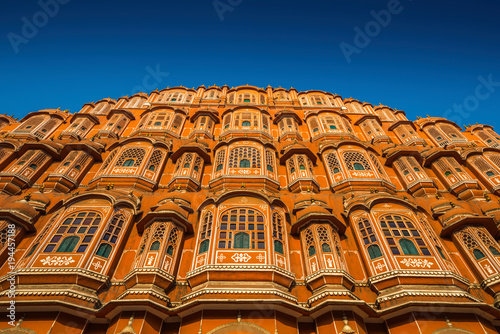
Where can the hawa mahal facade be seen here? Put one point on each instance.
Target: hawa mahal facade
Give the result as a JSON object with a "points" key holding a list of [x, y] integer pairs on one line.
{"points": [[247, 210]]}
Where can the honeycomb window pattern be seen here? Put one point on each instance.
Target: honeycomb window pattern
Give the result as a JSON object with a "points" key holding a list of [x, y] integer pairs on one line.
{"points": [[469, 241], [244, 157], [131, 157], [353, 159]]}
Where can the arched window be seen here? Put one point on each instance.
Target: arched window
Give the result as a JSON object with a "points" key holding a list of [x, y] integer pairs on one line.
{"points": [[494, 158], [326, 248], [246, 123], [68, 244], [111, 234], [489, 242], [310, 244], [155, 246], [369, 238], [378, 165], [170, 250], [494, 251], [483, 166], [472, 245], [313, 125], [278, 231], [245, 163], [451, 131], [241, 240], [173, 237], [177, 123], [247, 98], [29, 162], [219, 160], [269, 161], [374, 252], [478, 254], [324, 239], [437, 136], [40, 236], [81, 225], [128, 163], [408, 247], [333, 163], [206, 232], [144, 240], [278, 247], [104, 250], [434, 238], [156, 120], [242, 228], [157, 237], [358, 166], [402, 235], [204, 246], [197, 164]]}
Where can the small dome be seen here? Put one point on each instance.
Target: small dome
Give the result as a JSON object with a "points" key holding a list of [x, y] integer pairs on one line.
{"points": [[171, 206], [456, 212], [441, 206], [40, 198], [490, 207], [314, 208], [22, 207], [196, 142]]}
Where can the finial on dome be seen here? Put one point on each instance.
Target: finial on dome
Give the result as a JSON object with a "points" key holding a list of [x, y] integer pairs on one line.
{"points": [[448, 322], [20, 321], [129, 329], [346, 329]]}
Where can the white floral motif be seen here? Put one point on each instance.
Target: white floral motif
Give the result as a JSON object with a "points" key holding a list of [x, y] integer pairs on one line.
{"points": [[488, 269], [260, 257], [241, 257], [380, 266], [416, 263], [362, 174], [280, 262], [97, 265], [57, 260]]}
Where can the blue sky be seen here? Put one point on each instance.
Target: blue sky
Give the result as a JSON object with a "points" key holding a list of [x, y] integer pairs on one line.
{"points": [[426, 58]]}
